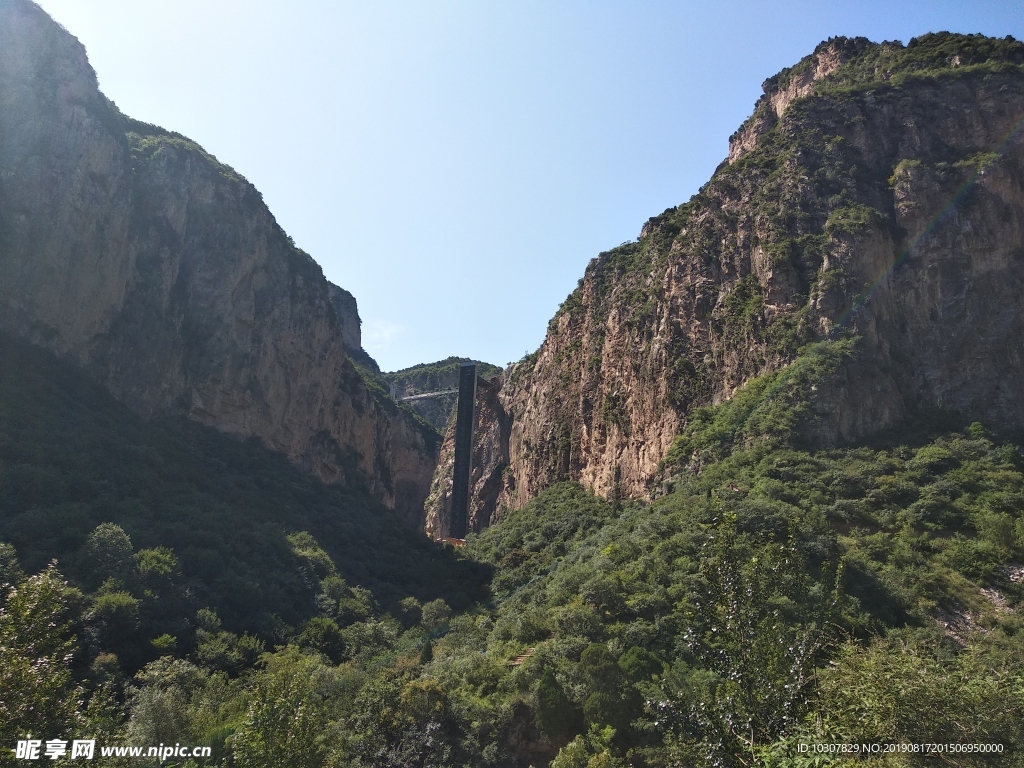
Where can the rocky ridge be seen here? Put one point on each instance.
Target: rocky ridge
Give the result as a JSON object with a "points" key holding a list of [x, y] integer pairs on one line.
{"points": [[132, 252], [875, 194]]}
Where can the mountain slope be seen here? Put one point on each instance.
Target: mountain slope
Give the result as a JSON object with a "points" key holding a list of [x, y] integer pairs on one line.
{"points": [[876, 193], [132, 252], [72, 458]]}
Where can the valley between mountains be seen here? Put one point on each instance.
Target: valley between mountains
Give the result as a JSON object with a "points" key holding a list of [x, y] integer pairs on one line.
{"points": [[760, 488]]}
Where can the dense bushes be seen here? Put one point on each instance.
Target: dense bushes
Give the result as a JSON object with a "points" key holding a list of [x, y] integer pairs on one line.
{"points": [[773, 598]]}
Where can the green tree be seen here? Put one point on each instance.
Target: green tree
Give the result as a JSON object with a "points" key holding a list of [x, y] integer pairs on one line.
{"points": [[284, 725], [37, 693], [161, 704], [435, 615], [157, 567], [427, 652], [557, 716], [112, 616], [611, 700], [758, 627], [593, 750], [910, 688], [112, 625], [323, 636], [410, 612], [640, 665], [403, 722], [311, 554], [109, 550], [160, 715], [217, 649], [10, 571]]}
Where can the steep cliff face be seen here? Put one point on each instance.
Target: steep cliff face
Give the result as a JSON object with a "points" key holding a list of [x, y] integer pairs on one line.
{"points": [[877, 192], [132, 252], [347, 311]]}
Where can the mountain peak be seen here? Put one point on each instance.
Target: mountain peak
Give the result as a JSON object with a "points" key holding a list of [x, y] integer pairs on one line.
{"points": [[875, 197], [843, 63]]}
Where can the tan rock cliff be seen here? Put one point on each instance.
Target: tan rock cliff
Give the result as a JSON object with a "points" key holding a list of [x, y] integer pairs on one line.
{"points": [[129, 250], [877, 191]]}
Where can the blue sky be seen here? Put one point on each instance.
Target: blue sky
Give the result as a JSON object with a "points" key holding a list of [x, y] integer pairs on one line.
{"points": [[456, 164]]}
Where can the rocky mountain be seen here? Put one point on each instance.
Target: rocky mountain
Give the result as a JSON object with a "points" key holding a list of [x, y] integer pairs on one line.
{"points": [[876, 194], [132, 252], [855, 265]]}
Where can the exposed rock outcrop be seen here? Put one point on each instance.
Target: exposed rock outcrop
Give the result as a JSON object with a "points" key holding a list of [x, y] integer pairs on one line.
{"points": [[347, 310], [876, 192], [131, 251], [795, 83]]}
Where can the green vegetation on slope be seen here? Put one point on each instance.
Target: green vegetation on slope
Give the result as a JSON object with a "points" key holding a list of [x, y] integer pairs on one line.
{"points": [[205, 520], [773, 598], [936, 54]]}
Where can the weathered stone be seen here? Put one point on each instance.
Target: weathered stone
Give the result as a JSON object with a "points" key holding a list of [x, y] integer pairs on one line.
{"points": [[870, 210], [134, 253]]}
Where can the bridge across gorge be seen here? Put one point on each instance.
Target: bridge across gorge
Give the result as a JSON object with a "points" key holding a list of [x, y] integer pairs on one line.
{"points": [[423, 395]]}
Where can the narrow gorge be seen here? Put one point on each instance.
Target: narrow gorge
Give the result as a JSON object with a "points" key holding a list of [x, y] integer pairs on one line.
{"points": [[760, 491]]}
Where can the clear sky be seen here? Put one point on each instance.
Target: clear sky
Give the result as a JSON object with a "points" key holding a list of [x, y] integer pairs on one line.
{"points": [[455, 164]]}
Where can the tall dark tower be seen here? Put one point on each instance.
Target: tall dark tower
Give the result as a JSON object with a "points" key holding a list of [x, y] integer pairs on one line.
{"points": [[465, 417]]}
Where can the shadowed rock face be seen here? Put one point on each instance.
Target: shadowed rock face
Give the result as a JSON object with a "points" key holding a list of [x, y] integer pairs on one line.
{"points": [[132, 252], [877, 191]]}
